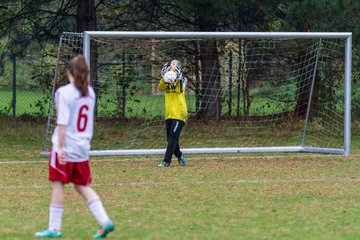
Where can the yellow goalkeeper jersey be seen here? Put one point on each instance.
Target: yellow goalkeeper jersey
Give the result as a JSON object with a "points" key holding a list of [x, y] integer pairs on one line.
{"points": [[175, 101]]}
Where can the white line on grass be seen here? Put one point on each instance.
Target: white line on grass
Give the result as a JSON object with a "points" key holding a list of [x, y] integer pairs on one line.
{"points": [[23, 162], [192, 158], [239, 181]]}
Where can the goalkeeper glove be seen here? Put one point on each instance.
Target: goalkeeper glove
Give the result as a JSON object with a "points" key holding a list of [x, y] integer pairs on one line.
{"points": [[178, 71], [165, 68]]}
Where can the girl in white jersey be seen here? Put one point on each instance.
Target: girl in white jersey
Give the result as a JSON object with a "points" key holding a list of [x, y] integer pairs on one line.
{"points": [[69, 158]]}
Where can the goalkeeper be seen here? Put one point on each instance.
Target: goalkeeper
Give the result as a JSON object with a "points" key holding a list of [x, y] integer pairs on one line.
{"points": [[173, 84]]}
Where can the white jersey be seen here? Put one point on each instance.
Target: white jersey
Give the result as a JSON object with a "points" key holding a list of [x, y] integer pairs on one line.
{"points": [[77, 113]]}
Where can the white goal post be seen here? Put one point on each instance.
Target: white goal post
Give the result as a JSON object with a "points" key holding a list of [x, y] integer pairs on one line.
{"points": [[277, 91]]}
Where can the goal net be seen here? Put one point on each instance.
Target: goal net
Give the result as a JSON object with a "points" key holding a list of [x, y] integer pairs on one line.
{"points": [[246, 92]]}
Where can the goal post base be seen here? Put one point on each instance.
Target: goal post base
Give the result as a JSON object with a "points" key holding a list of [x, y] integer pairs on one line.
{"points": [[213, 151]]}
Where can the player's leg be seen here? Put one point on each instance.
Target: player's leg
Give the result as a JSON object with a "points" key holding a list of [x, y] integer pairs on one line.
{"points": [[179, 155], [174, 128], [168, 125], [166, 161], [56, 210], [58, 177], [57, 206], [97, 209], [81, 177], [177, 151]]}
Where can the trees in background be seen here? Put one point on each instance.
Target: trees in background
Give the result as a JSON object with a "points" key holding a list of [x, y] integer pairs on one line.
{"points": [[28, 25], [324, 16], [35, 25], [203, 16]]}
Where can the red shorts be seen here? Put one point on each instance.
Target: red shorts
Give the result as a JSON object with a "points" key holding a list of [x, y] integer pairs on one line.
{"points": [[75, 172]]}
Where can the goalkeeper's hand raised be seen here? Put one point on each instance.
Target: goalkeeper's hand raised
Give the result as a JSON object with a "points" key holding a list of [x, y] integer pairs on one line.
{"points": [[179, 72], [165, 69]]}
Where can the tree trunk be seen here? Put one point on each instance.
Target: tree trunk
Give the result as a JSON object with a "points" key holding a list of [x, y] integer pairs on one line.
{"points": [[210, 76], [86, 21], [210, 68], [303, 92], [244, 78], [197, 79], [86, 15], [304, 82]]}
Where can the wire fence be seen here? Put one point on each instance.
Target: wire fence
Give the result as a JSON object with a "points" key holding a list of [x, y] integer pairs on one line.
{"points": [[25, 86]]}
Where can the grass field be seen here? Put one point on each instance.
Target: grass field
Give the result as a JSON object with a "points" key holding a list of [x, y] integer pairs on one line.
{"points": [[245, 196]]}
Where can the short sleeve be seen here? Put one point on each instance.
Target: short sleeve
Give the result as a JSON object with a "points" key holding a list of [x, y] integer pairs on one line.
{"points": [[62, 109]]}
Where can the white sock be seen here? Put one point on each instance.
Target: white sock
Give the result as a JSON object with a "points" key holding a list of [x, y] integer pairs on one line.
{"points": [[55, 217], [97, 209]]}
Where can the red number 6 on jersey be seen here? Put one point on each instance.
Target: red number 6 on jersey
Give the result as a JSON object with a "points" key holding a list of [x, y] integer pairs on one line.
{"points": [[82, 118]]}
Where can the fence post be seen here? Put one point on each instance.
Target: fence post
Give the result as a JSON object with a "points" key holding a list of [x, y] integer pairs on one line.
{"points": [[14, 85]]}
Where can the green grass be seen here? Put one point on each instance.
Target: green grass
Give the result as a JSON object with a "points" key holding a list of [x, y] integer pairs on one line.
{"points": [[242, 196], [27, 102], [293, 197]]}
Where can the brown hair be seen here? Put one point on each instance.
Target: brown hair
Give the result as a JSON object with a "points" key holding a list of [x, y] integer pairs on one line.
{"points": [[79, 69]]}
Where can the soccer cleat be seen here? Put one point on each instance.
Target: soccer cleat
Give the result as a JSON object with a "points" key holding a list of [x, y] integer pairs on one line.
{"points": [[48, 234], [181, 161], [163, 164], [104, 230]]}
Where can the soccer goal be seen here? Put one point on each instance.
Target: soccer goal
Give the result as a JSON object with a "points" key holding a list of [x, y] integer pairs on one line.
{"points": [[246, 92]]}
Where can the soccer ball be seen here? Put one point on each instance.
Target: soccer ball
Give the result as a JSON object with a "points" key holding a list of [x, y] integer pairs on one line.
{"points": [[170, 77]]}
